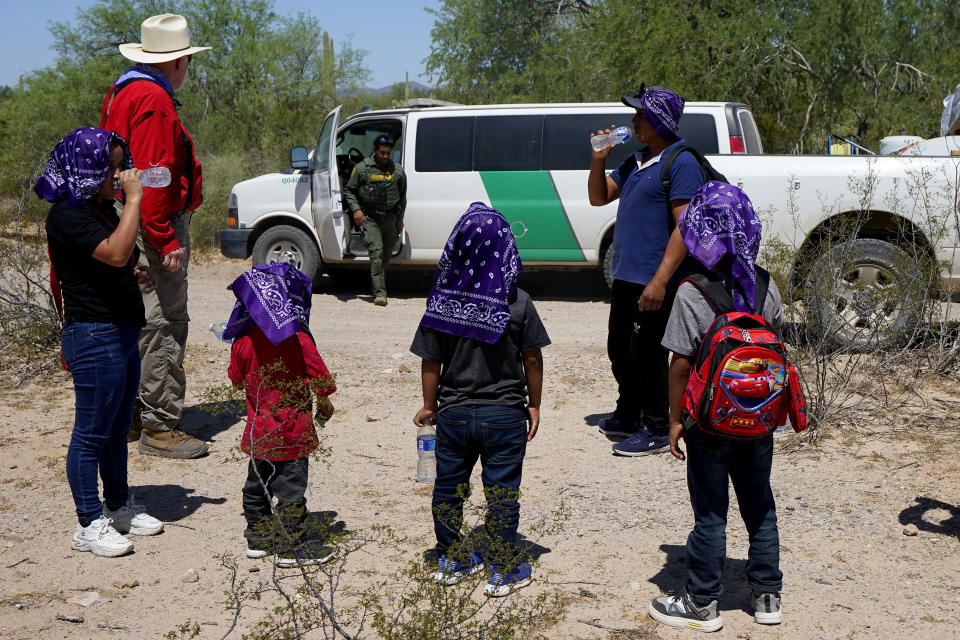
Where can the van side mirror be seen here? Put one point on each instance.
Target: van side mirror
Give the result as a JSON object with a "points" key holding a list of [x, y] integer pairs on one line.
{"points": [[298, 158]]}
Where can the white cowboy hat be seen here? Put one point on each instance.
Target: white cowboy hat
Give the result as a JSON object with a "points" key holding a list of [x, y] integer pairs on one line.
{"points": [[165, 37]]}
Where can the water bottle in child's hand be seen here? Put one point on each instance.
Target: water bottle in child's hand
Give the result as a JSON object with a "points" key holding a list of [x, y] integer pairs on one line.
{"points": [[155, 177], [617, 136], [217, 329], [426, 452]]}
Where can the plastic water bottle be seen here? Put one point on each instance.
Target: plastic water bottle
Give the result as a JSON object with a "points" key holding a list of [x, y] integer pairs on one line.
{"points": [[426, 452], [155, 177], [217, 329], [617, 136]]}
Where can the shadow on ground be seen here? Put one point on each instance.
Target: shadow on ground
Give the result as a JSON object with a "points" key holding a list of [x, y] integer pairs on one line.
{"points": [[672, 577], [207, 419], [410, 282], [916, 515], [171, 502]]}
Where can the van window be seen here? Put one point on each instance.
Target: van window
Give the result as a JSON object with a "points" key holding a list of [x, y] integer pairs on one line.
{"points": [[508, 143], [445, 144], [360, 136], [566, 140], [751, 137], [699, 130], [321, 153]]}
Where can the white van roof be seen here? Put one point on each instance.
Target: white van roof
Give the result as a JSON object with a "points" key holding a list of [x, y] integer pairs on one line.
{"points": [[517, 106]]}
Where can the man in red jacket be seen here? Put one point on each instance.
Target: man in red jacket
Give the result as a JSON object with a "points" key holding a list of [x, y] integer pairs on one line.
{"points": [[141, 108]]}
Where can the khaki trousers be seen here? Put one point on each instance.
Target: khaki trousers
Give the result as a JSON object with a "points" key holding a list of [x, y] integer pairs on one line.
{"points": [[380, 235], [163, 382]]}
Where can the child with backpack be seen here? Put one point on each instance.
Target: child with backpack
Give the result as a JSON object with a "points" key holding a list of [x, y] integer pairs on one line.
{"points": [[731, 386], [275, 359], [482, 374]]}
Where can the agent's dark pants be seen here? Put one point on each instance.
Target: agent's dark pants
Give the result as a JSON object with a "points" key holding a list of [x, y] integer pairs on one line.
{"points": [[638, 361], [710, 460], [497, 435], [105, 364], [285, 479]]}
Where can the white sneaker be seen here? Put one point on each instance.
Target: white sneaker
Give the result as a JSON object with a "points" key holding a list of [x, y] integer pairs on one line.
{"points": [[131, 518], [101, 539]]}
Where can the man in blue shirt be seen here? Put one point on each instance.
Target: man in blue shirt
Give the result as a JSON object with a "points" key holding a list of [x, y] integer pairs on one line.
{"points": [[647, 249]]}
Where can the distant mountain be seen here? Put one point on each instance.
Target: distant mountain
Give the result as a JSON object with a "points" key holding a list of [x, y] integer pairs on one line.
{"points": [[414, 86]]}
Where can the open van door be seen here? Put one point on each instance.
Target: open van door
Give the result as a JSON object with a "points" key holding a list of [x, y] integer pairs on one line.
{"points": [[327, 202]]}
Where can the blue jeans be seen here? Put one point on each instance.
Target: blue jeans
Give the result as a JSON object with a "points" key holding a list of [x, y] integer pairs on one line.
{"points": [[710, 459], [105, 363], [497, 435]]}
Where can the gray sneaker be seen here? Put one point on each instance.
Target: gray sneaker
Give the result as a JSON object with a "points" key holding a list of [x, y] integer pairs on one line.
{"points": [[766, 608], [679, 611]]}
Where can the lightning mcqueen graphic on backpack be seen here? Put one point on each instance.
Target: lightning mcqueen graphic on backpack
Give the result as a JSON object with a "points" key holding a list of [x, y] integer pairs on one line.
{"points": [[741, 385]]}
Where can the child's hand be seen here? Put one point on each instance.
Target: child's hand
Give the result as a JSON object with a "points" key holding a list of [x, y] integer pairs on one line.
{"points": [[534, 421], [324, 408], [423, 414], [676, 432]]}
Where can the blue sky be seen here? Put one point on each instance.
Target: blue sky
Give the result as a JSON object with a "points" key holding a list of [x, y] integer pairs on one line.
{"points": [[395, 34]]}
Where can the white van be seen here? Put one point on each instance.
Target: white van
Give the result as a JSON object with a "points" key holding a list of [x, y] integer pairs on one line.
{"points": [[529, 161]]}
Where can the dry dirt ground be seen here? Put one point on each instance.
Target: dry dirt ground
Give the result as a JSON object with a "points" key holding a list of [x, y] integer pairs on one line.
{"points": [[843, 501]]}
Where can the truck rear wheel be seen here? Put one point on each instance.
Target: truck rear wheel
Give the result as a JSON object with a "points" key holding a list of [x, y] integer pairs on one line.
{"points": [[284, 243], [864, 294]]}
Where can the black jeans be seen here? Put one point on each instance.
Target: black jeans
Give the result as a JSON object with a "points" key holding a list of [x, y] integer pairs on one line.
{"points": [[287, 480], [710, 460], [497, 435], [639, 363]]}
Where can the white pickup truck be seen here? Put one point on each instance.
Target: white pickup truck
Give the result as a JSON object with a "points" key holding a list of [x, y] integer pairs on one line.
{"points": [[531, 162]]}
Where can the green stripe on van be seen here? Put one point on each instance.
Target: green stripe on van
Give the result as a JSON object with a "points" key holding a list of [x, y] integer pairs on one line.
{"points": [[530, 203]]}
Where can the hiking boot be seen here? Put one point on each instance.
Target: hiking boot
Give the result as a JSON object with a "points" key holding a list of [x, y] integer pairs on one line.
{"points": [[613, 427], [680, 611], [100, 538], [131, 518], [503, 584], [766, 607], [451, 571], [304, 555], [136, 424], [380, 301], [171, 444], [642, 443]]}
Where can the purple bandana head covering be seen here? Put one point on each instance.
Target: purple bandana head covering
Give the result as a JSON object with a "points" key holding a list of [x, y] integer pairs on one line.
{"points": [[476, 278], [662, 108], [275, 297], [720, 221], [78, 165]]}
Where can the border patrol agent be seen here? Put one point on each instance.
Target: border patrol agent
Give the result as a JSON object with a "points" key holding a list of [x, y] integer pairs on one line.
{"points": [[377, 195]]}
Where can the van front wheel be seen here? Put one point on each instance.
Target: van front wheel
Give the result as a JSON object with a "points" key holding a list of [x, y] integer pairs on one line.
{"points": [[284, 243]]}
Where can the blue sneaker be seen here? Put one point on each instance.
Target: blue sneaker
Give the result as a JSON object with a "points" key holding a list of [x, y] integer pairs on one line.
{"points": [[503, 584], [453, 571], [613, 427], [642, 443]]}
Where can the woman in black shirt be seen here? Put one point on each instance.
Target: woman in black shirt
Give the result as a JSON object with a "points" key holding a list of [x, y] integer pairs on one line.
{"points": [[92, 252]]}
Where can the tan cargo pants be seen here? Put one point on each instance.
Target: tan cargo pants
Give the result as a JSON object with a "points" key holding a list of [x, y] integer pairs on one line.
{"points": [[163, 381]]}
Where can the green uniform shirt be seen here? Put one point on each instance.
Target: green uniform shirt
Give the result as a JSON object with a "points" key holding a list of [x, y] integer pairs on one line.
{"points": [[373, 189]]}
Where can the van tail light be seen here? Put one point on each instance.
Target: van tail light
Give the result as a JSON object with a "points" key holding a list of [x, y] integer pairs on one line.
{"points": [[736, 145], [232, 210]]}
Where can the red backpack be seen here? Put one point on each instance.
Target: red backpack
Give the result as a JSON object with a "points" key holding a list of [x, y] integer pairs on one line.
{"points": [[741, 385]]}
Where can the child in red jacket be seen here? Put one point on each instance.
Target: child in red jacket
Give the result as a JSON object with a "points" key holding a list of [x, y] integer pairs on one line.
{"points": [[275, 359]]}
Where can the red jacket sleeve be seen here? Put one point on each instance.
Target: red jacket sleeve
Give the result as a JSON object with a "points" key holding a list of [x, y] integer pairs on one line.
{"points": [[316, 368], [154, 140], [239, 360]]}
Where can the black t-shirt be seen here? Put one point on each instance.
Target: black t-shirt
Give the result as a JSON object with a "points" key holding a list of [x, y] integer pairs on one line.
{"points": [[93, 291], [477, 372]]}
